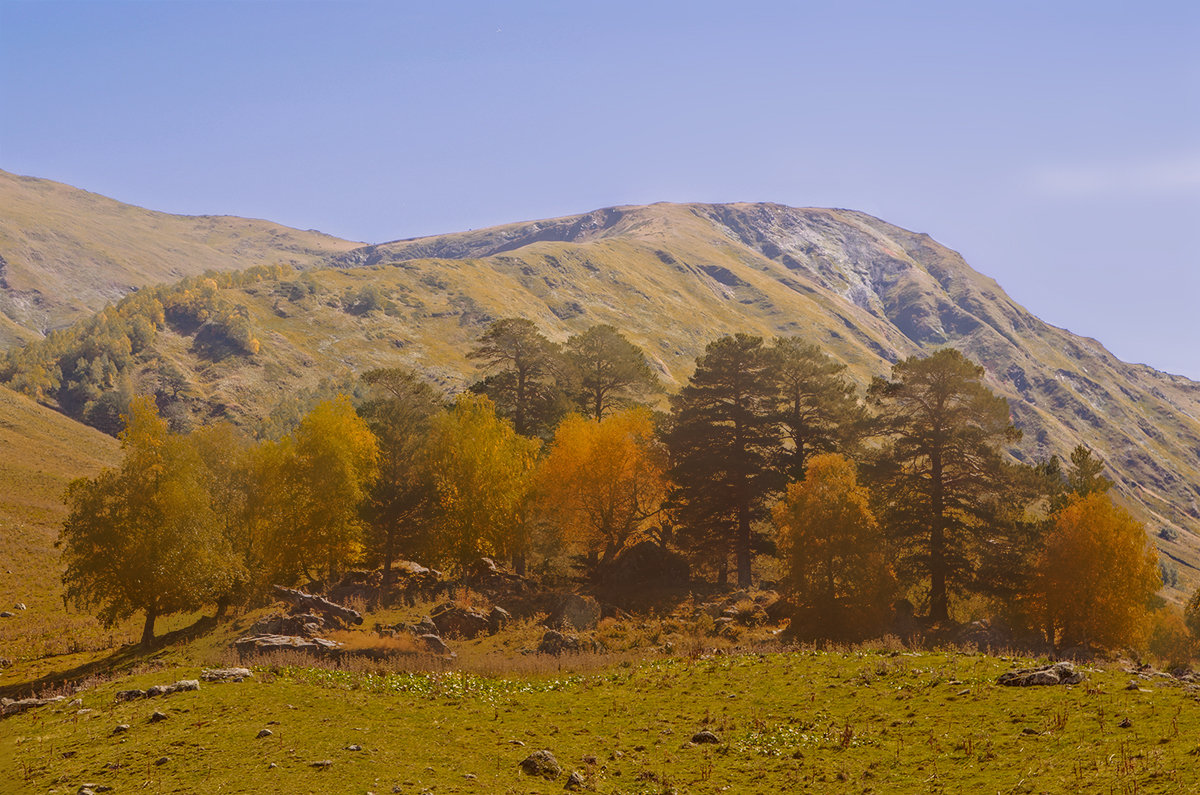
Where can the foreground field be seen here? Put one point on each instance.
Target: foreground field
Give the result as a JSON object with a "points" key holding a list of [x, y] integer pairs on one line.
{"points": [[865, 721]]}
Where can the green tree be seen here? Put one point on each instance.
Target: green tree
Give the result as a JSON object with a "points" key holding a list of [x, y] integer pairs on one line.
{"points": [[724, 439], [481, 470], [399, 411], [528, 375], [836, 560], [819, 408], [943, 473], [144, 537], [612, 372]]}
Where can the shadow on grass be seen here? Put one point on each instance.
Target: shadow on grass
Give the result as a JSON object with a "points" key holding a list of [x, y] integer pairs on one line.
{"points": [[120, 661]]}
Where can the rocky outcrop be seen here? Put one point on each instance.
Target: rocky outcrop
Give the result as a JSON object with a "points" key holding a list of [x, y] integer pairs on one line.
{"points": [[1060, 673], [319, 604]]}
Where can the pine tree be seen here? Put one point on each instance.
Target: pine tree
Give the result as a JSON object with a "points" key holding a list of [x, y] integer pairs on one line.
{"points": [[819, 408], [612, 372], [724, 441], [529, 376]]}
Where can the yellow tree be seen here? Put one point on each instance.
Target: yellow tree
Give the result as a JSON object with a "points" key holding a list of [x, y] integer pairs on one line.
{"points": [[831, 541], [602, 481], [481, 470], [144, 537], [1096, 576]]}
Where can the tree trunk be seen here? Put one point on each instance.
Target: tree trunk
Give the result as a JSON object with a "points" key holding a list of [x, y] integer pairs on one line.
{"points": [[148, 628], [939, 607], [743, 548], [518, 561]]}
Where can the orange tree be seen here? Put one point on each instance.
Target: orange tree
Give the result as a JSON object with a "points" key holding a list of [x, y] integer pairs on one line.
{"points": [[602, 481], [833, 548], [1096, 577]]}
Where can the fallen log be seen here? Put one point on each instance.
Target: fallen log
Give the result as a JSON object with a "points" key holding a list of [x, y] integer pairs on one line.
{"points": [[309, 602]]}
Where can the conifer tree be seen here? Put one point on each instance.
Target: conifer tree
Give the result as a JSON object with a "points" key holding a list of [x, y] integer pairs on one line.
{"points": [[818, 409], [724, 441], [611, 372], [528, 378]]}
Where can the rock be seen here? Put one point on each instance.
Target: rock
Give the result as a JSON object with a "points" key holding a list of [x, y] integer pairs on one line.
{"points": [[158, 717], [309, 602], [121, 728], [484, 575], [6, 614], [225, 674], [177, 687], [1060, 673], [425, 627], [705, 737], [19, 606], [575, 782], [130, 695], [556, 643], [1125, 724], [498, 619], [322, 763], [306, 625], [435, 644], [353, 747], [264, 644], [645, 563], [984, 634], [459, 621], [573, 611], [162, 760], [263, 733], [10, 707], [543, 764]]}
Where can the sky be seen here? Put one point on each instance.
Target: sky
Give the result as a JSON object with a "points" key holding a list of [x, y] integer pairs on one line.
{"points": [[1056, 145]]}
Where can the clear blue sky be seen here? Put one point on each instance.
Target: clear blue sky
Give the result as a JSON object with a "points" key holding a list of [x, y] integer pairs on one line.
{"points": [[1055, 144]]}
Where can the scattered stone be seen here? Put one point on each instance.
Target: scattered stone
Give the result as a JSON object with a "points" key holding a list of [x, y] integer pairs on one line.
{"points": [[543, 764], [263, 733], [353, 747], [705, 737], [458, 621], [19, 606], [7, 614], [306, 625], [573, 611], [1133, 685], [10, 707], [498, 618], [322, 763], [130, 695], [965, 692], [162, 760], [1125, 723], [262, 644], [469, 776], [575, 782], [178, 687], [121, 728], [556, 643], [225, 674], [1029, 731], [75, 702], [158, 717], [435, 645], [272, 766], [93, 788], [1060, 673], [517, 743]]}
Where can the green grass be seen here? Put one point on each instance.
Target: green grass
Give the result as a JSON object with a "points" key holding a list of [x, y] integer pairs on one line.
{"points": [[849, 721]]}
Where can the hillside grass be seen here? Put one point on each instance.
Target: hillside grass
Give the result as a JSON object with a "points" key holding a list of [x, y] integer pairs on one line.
{"points": [[864, 720]]}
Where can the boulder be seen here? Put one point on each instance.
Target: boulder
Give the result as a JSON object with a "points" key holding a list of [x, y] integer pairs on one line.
{"points": [[263, 644], [10, 707], [574, 611], [575, 782], [645, 563], [984, 634], [225, 674], [323, 606], [498, 619], [458, 621], [303, 624], [541, 764], [484, 575], [435, 645], [705, 737], [1060, 673], [557, 643]]}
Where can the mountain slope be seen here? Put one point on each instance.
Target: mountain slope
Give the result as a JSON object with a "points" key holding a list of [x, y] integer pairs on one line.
{"points": [[65, 253], [676, 276]]}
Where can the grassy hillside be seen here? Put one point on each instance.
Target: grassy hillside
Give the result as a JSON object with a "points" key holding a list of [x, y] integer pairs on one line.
{"points": [[41, 452], [65, 253], [851, 721]]}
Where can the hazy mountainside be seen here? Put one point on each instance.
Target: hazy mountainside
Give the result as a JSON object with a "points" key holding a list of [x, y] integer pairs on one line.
{"points": [[674, 277], [65, 253]]}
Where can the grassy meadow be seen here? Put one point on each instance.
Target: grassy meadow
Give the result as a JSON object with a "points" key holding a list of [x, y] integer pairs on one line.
{"points": [[861, 720]]}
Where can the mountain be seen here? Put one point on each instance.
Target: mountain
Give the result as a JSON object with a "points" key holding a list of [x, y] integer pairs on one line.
{"points": [[674, 277], [65, 253]]}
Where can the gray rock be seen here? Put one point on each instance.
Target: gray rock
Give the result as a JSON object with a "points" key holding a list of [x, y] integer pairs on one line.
{"points": [[19, 606], [130, 695], [353, 747], [322, 763], [1060, 673], [575, 782], [573, 611], [7, 614], [158, 717], [435, 644], [162, 760], [225, 674], [458, 621], [176, 687], [543, 764], [263, 644], [10, 707], [498, 619], [263, 733], [705, 737], [557, 643], [121, 728]]}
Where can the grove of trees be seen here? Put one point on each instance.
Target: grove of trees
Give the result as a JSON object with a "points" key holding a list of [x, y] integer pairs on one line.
{"points": [[901, 492]]}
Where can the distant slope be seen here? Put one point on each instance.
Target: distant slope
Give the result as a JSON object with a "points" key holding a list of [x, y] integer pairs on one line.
{"points": [[674, 277], [41, 451], [65, 253]]}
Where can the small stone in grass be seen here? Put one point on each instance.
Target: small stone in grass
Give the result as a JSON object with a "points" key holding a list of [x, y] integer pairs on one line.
{"points": [[162, 760], [121, 728], [322, 763], [264, 733], [158, 716], [705, 736]]}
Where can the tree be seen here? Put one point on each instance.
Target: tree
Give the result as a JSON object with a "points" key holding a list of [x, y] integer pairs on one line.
{"points": [[833, 548], [399, 412], [480, 468], [603, 481], [819, 409], [143, 537], [526, 384], [612, 372], [1096, 577], [723, 441], [943, 471]]}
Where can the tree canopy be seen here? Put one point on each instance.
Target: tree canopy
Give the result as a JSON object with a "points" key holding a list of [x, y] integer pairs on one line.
{"points": [[611, 372]]}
